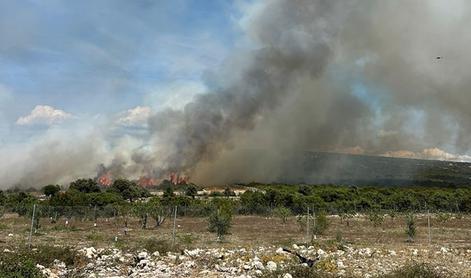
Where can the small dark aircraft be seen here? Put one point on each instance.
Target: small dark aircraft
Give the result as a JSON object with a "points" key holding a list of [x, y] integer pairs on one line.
{"points": [[439, 57]]}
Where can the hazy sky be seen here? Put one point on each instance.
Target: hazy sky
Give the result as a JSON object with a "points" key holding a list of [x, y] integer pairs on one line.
{"points": [[94, 59]]}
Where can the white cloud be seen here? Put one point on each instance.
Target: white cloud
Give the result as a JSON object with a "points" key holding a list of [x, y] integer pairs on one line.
{"points": [[44, 114], [135, 116]]}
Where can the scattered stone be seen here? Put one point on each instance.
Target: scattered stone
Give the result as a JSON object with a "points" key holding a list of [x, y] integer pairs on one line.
{"points": [[271, 266]]}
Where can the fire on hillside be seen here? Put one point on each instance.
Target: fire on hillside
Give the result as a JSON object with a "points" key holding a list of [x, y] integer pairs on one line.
{"points": [[106, 180]]}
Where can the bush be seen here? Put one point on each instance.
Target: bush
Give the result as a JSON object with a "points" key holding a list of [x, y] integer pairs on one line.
{"points": [[414, 271], [282, 213], [46, 254], [321, 224], [160, 245], [443, 217], [15, 265], [22, 262], [376, 218], [298, 271], [410, 227], [221, 217]]}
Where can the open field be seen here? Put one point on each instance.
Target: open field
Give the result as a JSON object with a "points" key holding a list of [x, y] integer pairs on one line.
{"points": [[246, 230], [450, 247]]}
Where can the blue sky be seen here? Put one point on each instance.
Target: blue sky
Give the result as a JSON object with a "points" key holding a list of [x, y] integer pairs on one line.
{"points": [[90, 58]]}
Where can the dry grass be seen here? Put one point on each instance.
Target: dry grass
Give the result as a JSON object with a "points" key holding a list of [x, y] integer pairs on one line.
{"points": [[246, 231]]}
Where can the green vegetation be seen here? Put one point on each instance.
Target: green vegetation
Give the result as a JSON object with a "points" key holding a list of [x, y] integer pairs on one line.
{"points": [[409, 271], [282, 213], [410, 227], [220, 219], [414, 271], [22, 262], [85, 200], [51, 190]]}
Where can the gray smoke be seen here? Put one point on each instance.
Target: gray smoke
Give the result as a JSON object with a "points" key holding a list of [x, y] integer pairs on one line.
{"points": [[359, 77]]}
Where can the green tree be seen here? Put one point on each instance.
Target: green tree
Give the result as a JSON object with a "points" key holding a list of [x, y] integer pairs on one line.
{"points": [[282, 213], [168, 193], [157, 211], [142, 210], [410, 227], [321, 224], [221, 217], [85, 186], [191, 191], [51, 190], [129, 190]]}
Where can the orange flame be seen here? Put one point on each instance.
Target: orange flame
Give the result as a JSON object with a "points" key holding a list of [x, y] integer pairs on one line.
{"points": [[105, 180]]}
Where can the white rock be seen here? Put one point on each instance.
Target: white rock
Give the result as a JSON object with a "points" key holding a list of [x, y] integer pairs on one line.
{"points": [[142, 255], [10, 235], [340, 265], [143, 263], [271, 266], [89, 252], [443, 250], [280, 251], [296, 247], [258, 265], [287, 275], [392, 253], [156, 254], [321, 252]]}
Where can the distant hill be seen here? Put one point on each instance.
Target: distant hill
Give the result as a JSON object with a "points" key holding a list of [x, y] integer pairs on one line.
{"points": [[323, 168]]}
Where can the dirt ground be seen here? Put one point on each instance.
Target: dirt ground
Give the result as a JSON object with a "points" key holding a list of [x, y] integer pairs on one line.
{"points": [[246, 231]]}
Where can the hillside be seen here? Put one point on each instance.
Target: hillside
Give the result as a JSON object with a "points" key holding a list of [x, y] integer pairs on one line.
{"points": [[322, 167]]}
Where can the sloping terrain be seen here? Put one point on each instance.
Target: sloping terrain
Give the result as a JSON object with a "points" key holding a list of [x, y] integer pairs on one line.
{"points": [[322, 167]]}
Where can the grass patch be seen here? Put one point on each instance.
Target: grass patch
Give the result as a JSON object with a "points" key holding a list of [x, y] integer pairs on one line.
{"points": [[15, 265], [298, 271], [96, 237], [22, 262], [152, 245], [187, 239], [416, 271]]}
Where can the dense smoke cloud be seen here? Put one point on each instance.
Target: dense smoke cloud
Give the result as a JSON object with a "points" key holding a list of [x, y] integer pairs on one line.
{"points": [[343, 76], [333, 76]]}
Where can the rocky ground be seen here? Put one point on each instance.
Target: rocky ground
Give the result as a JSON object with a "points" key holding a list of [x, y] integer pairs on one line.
{"points": [[241, 262]]}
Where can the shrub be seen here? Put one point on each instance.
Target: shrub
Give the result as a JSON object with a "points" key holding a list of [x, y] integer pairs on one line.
{"points": [[443, 217], [297, 271], [376, 218], [152, 245], [46, 254], [51, 189], [414, 271], [410, 227], [321, 224], [15, 265], [220, 219], [282, 213], [318, 224], [22, 262]]}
